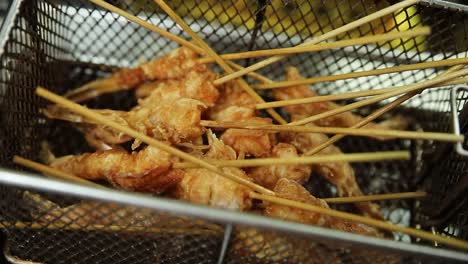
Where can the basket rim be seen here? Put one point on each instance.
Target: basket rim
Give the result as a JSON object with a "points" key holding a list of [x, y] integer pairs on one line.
{"points": [[8, 23], [446, 4]]}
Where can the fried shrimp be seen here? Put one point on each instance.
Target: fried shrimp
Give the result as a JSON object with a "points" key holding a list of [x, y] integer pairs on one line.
{"points": [[267, 176], [148, 170], [175, 121], [205, 187], [341, 174], [171, 66], [195, 85], [346, 119], [291, 190]]}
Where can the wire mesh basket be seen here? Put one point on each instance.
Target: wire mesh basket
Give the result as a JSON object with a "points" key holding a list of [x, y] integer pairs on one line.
{"points": [[63, 44]]}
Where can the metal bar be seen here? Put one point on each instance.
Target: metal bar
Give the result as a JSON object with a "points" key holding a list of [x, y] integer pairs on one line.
{"points": [[455, 117], [8, 23], [225, 244], [446, 4]]}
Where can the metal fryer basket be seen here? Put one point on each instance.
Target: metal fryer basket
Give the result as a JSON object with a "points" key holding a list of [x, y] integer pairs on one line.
{"points": [[62, 44]]}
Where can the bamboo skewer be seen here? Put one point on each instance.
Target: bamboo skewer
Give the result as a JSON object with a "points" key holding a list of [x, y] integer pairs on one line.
{"points": [[376, 197], [254, 75], [328, 35], [47, 170], [76, 108], [354, 157], [362, 123], [70, 177], [401, 68], [149, 26], [374, 116], [365, 220], [343, 96], [410, 88], [166, 34], [243, 84], [422, 31], [170, 36], [445, 137]]}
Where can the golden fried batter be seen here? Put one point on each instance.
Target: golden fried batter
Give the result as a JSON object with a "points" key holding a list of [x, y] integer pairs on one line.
{"points": [[267, 176], [291, 190], [341, 174], [205, 187], [346, 119], [148, 170], [195, 84]]}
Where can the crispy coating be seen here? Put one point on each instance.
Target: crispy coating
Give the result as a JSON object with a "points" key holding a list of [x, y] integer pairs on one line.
{"points": [[219, 150], [205, 187], [172, 120], [256, 143], [148, 170], [97, 136], [128, 78], [233, 113], [230, 94], [195, 84], [346, 119], [171, 66], [267, 176], [175, 121], [249, 142], [291, 190], [235, 104], [341, 174]]}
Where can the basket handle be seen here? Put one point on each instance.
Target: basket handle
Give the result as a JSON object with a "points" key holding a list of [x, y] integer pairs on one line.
{"points": [[463, 116]]}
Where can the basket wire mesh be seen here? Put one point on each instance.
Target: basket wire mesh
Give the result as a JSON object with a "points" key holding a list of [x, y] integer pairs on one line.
{"points": [[64, 44]]}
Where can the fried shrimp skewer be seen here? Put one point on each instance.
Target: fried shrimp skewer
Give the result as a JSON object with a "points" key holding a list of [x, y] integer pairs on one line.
{"points": [[175, 121], [172, 111], [341, 174], [237, 105], [346, 119], [291, 190], [148, 170], [205, 187], [171, 66], [268, 176]]}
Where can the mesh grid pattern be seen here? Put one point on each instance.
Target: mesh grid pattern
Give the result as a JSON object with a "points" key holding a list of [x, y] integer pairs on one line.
{"points": [[64, 44]]}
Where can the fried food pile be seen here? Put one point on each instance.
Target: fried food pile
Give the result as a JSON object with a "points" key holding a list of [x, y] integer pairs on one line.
{"points": [[174, 94]]}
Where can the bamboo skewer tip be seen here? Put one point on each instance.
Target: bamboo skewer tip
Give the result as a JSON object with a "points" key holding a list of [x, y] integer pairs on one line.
{"points": [[320, 38]]}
